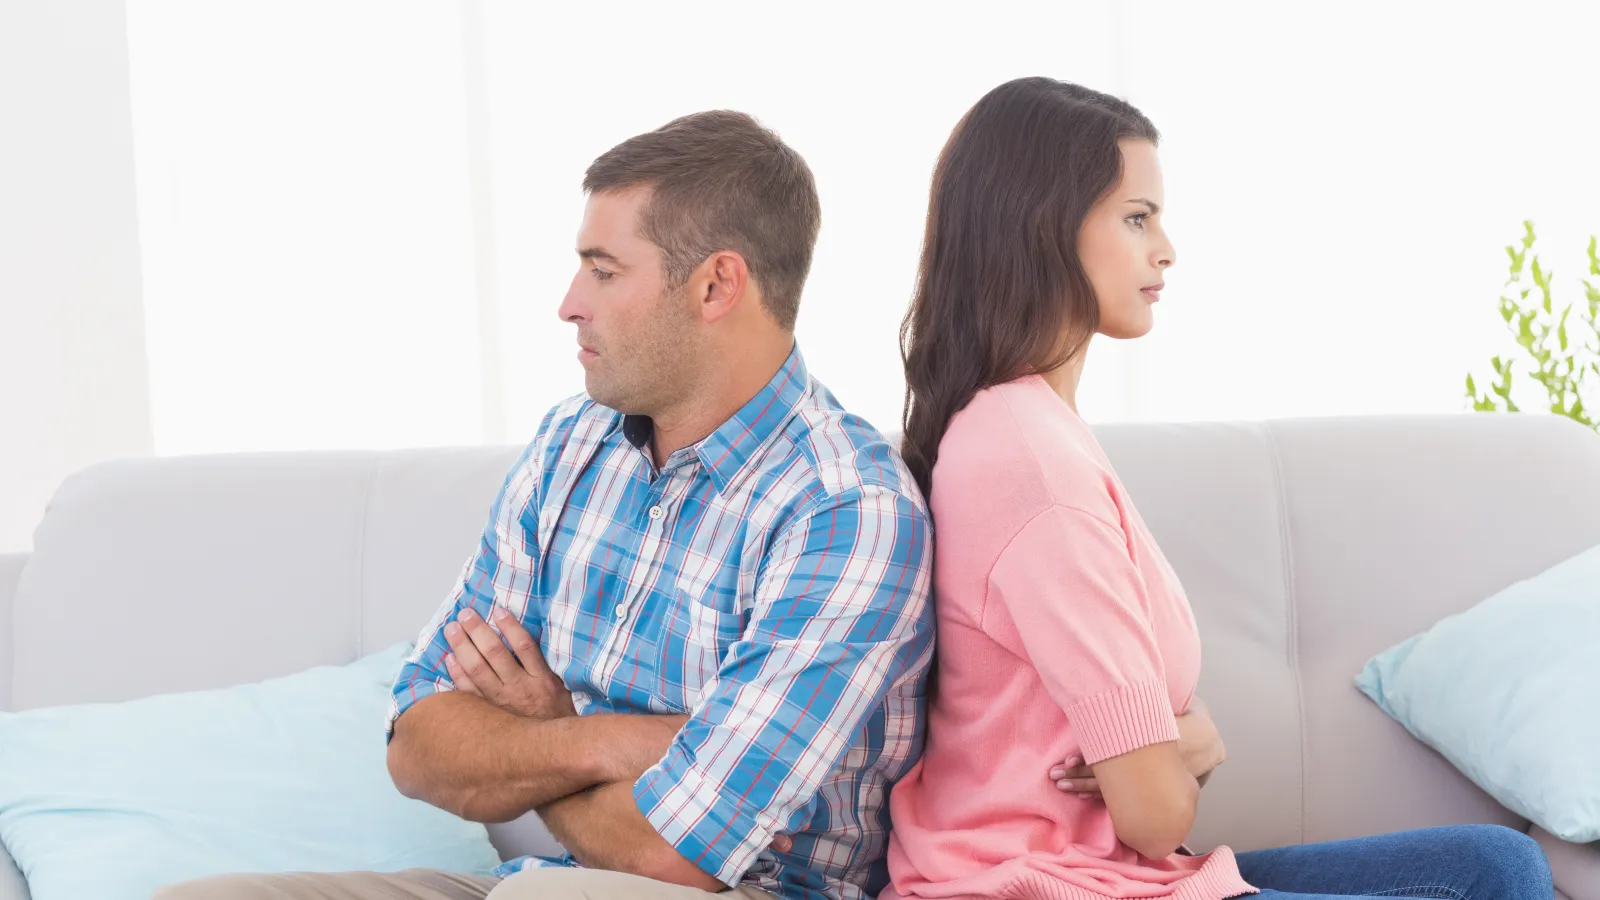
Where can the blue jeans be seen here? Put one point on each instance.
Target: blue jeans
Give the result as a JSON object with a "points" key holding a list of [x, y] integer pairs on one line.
{"points": [[1459, 862]]}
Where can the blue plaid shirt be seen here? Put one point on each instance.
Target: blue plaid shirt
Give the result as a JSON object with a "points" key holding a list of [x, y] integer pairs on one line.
{"points": [[771, 581]]}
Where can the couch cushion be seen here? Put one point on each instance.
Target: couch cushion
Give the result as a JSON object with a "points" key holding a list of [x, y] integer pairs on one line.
{"points": [[1506, 692], [114, 800], [12, 885]]}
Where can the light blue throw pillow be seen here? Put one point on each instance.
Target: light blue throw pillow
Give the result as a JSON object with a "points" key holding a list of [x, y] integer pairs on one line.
{"points": [[111, 801], [1509, 692]]}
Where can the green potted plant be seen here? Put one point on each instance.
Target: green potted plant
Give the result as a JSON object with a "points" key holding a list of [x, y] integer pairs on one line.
{"points": [[1560, 349]]}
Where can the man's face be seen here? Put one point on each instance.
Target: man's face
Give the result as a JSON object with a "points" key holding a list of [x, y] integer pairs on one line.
{"points": [[637, 339]]}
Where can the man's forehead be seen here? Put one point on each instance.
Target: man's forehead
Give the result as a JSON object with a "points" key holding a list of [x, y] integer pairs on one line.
{"points": [[608, 218], [623, 204]]}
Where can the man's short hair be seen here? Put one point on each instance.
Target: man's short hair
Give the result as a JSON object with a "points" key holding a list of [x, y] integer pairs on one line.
{"points": [[721, 181]]}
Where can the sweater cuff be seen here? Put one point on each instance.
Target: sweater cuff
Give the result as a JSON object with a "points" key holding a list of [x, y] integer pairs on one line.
{"points": [[1123, 719]]}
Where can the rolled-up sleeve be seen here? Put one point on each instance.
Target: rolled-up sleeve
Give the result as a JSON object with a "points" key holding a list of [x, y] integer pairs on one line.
{"points": [[841, 618], [1077, 602], [502, 571]]}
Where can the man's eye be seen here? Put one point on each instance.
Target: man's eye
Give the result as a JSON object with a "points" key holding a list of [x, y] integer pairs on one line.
{"points": [[601, 274]]}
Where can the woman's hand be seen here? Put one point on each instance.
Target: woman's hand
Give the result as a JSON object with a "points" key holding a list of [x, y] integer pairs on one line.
{"points": [[1073, 777], [1199, 743]]}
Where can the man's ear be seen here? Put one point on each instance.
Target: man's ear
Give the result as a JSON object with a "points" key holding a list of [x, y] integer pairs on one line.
{"points": [[722, 283]]}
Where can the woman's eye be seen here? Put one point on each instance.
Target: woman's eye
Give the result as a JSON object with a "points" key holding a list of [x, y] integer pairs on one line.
{"points": [[1138, 219]]}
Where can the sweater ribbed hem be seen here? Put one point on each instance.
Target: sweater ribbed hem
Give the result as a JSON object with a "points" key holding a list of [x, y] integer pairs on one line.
{"points": [[1217, 878], [1124, 718]]}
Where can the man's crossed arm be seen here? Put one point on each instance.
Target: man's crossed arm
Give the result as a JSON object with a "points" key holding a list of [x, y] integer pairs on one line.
{"points": [[840, 619], [530, 751]]}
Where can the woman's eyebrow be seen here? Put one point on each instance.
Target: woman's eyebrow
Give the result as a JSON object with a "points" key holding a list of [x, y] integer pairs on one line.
{"points": [[1155, 208]]}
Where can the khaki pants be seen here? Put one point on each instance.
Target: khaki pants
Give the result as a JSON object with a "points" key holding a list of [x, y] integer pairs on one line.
{"points": [[428, 884]]}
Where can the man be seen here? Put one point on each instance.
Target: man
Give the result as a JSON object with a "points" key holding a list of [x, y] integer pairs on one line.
{"points": [[695, 634]]}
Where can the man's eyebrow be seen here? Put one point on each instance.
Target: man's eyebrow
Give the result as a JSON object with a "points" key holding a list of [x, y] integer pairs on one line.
{"points": [[593, 253], [1155, 208]]}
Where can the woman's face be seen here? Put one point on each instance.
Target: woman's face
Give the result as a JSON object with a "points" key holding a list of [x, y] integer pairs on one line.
{"points": [[1124, 249]]}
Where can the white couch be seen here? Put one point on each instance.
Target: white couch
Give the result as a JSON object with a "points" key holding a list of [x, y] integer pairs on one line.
{"points": [[1306, 546]]}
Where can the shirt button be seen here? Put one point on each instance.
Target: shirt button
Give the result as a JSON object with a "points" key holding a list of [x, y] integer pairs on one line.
{"points": [[622, 612], [656, 512]]}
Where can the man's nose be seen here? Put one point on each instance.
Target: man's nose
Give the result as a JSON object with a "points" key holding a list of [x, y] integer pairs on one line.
{"points": [[572, 308]]}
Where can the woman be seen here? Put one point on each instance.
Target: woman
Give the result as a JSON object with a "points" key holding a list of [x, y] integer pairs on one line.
{"points": [[1067, 647]]}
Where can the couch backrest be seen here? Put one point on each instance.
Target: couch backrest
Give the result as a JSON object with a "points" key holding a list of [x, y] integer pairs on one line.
{"points": [[11, 565], [160, 575], [1305, 545], [1308, 545]]}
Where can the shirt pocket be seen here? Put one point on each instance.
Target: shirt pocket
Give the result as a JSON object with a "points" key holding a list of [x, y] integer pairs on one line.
{"points": [[710, 617]]}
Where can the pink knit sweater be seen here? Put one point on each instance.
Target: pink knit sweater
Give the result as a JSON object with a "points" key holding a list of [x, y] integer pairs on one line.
{"points": [[1062, 631]]}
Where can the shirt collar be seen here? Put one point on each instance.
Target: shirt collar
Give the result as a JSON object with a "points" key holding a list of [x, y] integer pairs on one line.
{"points": [[725, 452]]}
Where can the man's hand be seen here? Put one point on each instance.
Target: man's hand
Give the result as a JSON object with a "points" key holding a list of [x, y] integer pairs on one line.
{"points": [[521, 682], [1199, 743]]}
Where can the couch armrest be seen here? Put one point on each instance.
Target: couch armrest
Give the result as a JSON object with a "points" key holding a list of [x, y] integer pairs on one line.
{"points": [[12, 884], [1576, 867], [10, 574]]}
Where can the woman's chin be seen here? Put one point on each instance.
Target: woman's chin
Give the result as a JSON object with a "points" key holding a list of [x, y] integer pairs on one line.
{"points": [[1129, 328]]}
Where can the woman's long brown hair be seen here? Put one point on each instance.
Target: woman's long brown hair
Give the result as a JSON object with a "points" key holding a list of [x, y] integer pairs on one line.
{"points": [[1000, 290]]}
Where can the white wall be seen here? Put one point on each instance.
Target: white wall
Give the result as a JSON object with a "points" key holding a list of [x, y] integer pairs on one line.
{"points": [[73, 388], [1341, 179], [866, 92], [328, 263], [306, 209]]}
